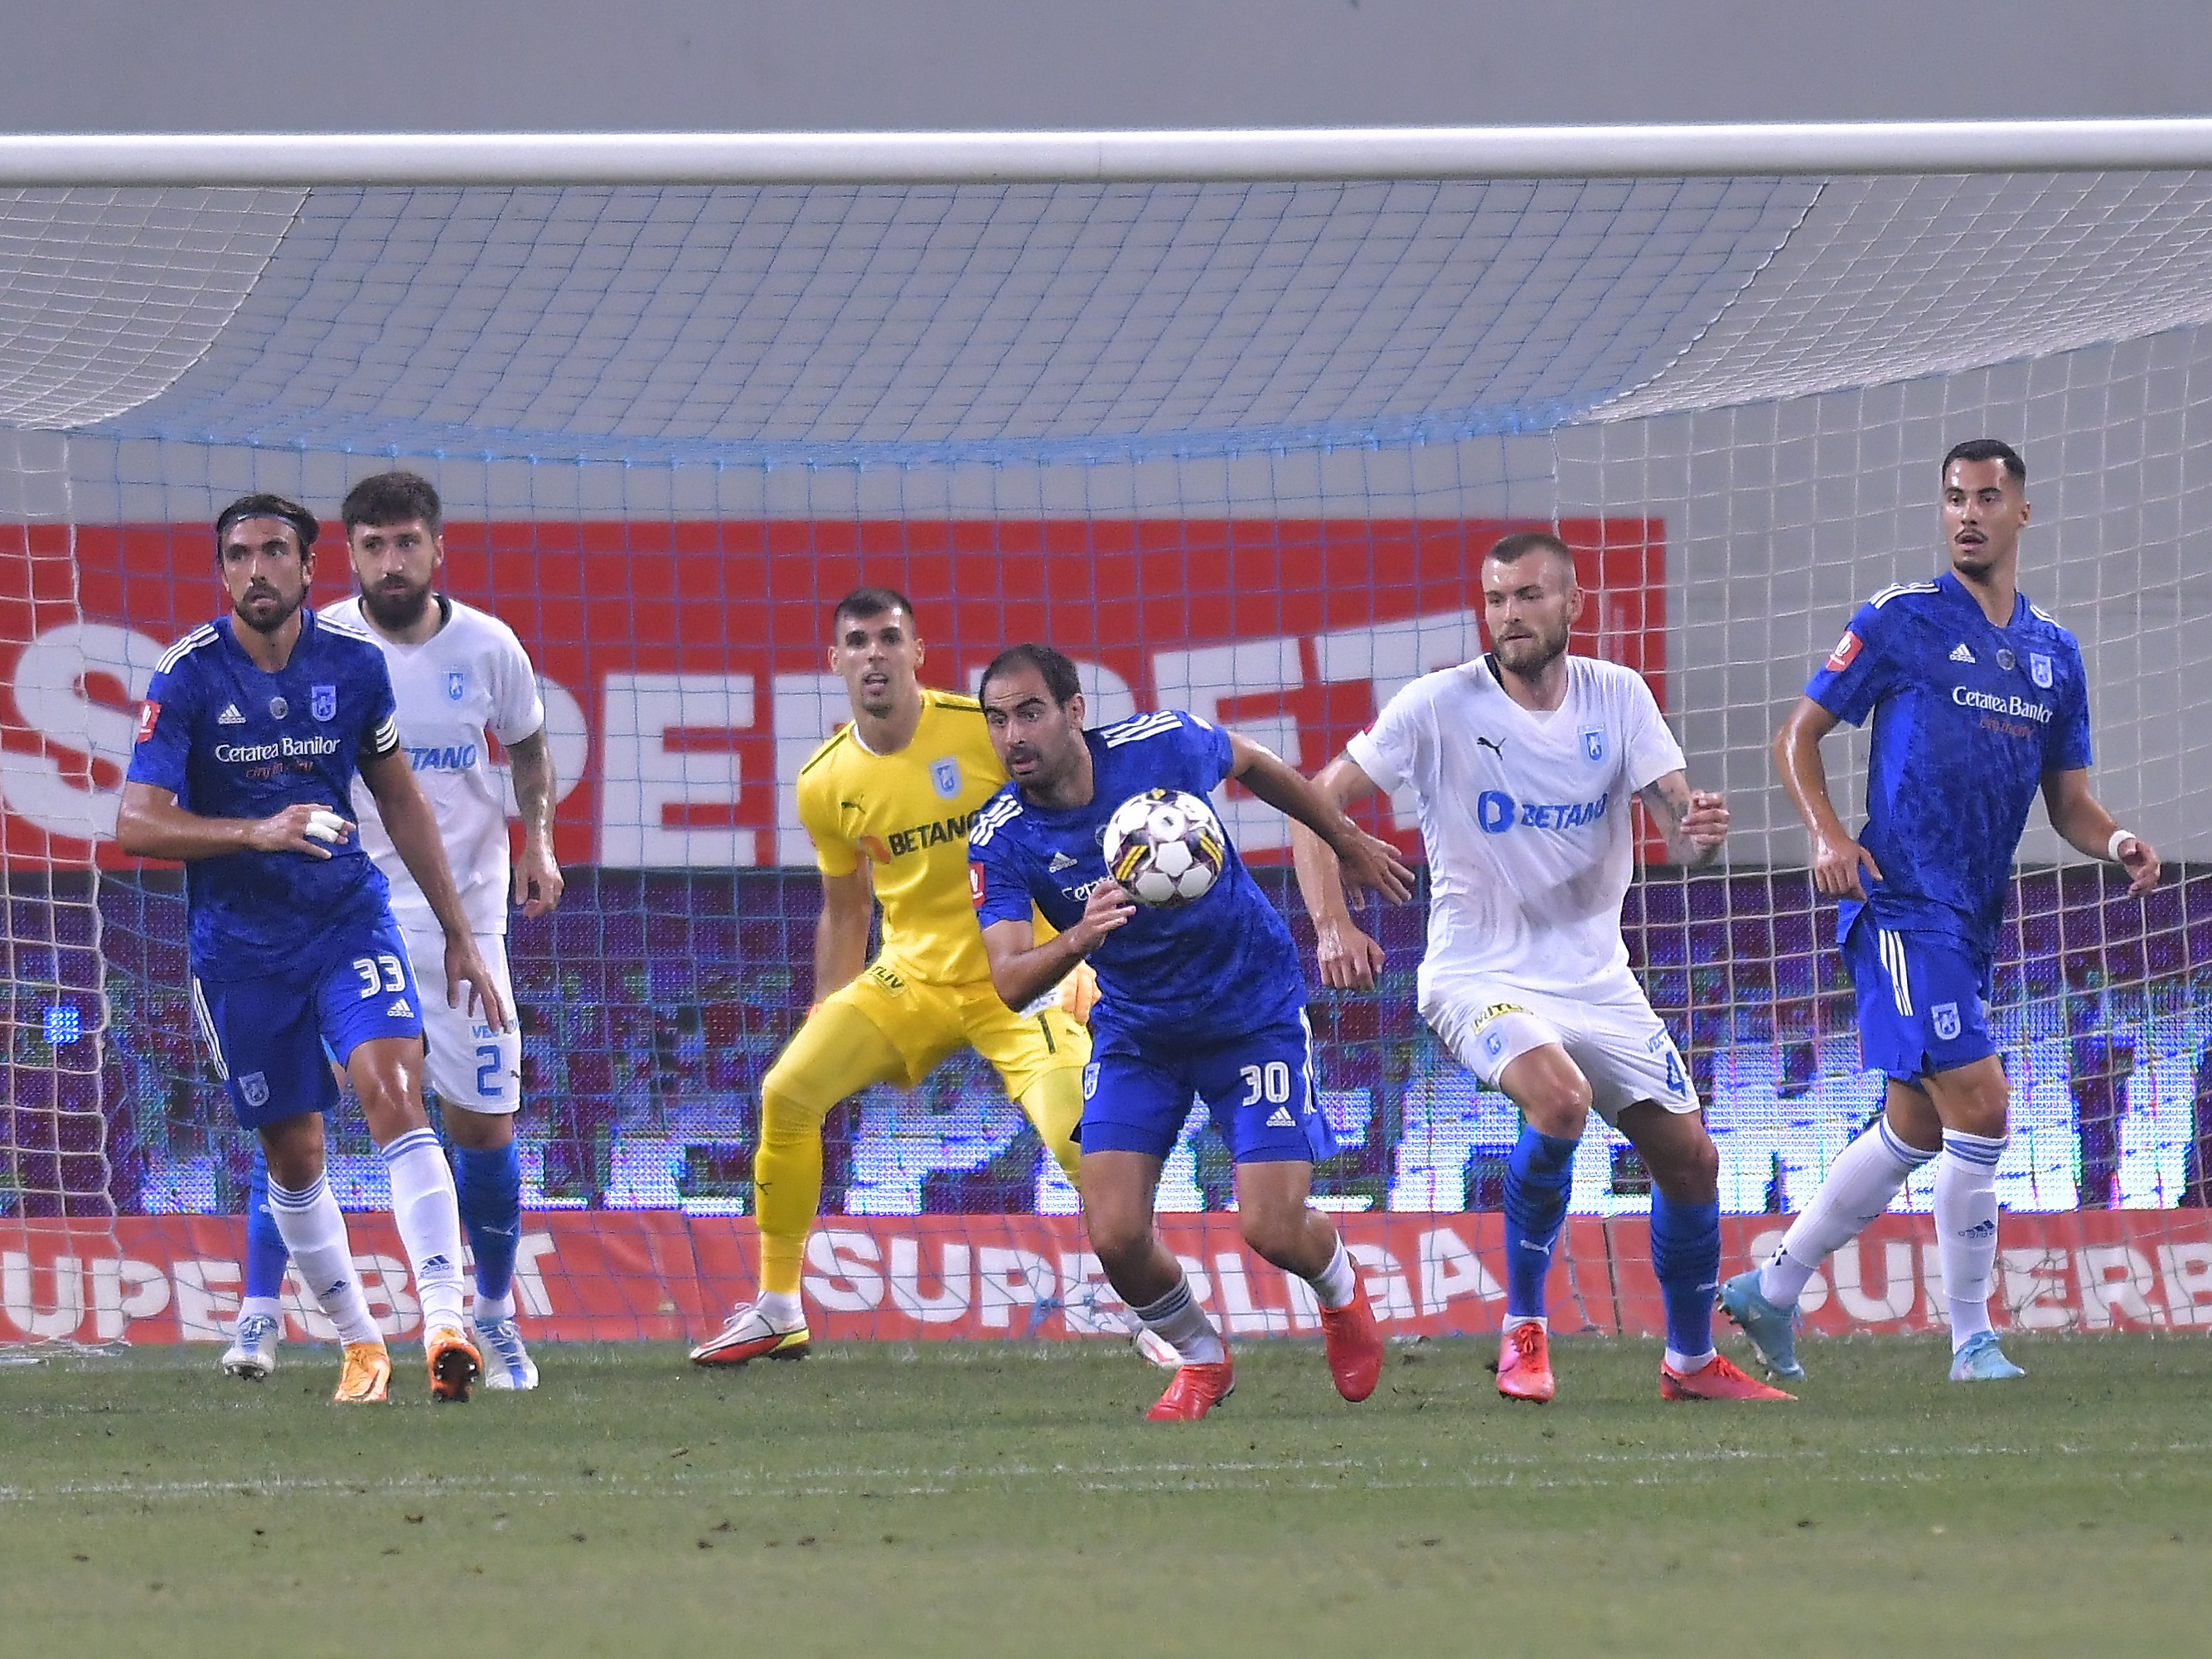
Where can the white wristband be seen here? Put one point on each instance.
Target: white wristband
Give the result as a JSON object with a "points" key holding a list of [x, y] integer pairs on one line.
{"points": [[2113, 846]]}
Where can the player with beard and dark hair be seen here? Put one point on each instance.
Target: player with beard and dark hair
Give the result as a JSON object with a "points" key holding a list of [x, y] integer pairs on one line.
{"points": [[254, 729], [1978, 702], [460, 678], [1522, 764]]}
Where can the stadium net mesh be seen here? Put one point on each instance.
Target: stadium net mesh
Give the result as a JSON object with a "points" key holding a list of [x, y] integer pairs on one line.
{"points": [[1236, 448]]}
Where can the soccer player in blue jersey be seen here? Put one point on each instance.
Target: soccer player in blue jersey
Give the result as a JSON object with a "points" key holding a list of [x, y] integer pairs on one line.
{"points": [[253, 729], [1979, 701], [1207, 999]]}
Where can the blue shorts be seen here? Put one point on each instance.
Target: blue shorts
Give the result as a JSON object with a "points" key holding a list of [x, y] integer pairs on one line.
{"points": [[1919, 1000], [1259, 1088], [274, 1039]]}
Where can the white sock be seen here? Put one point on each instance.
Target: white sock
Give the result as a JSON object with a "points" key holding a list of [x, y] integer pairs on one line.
{"points": [[1514, 1322], [1178, 1321], [781, 1308], [264, 1307], [1866, 1175], [1683, 1364], [1966, 1229], [314, 1231], [491, 1310], [1338, 1282], [430, 1222]]}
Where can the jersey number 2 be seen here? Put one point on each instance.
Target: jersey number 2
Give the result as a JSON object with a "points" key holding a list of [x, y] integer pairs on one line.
{"points": [[379, 974]]}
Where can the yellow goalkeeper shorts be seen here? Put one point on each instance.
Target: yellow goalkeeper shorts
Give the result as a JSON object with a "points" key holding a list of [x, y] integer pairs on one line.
{"points": [[927, 1024]]}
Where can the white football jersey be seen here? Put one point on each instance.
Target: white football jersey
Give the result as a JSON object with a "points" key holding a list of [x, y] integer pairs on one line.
{"points": [[1525, 816], [471, 677]]}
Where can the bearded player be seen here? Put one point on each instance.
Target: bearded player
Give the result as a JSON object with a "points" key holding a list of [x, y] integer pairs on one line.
{"points": [[886, 802], [460, 678], [1980, 700], [253, 730], [1522, 765], [1203, 1000]]}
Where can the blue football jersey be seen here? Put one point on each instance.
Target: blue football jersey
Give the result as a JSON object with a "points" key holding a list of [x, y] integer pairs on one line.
{"points": [[234, 742], [1218, 968], [1967, 718]]}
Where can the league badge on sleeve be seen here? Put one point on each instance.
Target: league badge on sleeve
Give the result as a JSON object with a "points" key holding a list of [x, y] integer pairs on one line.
{"points": [[2038, 670], [149, 718], [323, 701], [1846, 653]]}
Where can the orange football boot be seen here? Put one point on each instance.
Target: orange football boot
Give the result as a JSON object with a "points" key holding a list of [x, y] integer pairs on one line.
{"points": [[1717, 1379], [1196, 1390], [455, 1364], [363, 1377], [1354, 1346], [1524, 1364]]}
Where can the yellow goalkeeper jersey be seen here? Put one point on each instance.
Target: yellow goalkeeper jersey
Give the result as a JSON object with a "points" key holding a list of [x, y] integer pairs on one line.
{"points": [[908, 814]]}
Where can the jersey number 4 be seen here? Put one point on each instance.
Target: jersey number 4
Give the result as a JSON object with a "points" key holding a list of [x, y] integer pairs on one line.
{"points": [[380, 976]]}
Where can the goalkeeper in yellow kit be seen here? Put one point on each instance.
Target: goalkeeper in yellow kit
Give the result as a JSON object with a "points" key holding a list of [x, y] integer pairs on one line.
{"points": [[886, 801]]}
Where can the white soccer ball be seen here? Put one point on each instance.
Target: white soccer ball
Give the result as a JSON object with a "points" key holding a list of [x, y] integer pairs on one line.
{"points": [[1165, 847]]}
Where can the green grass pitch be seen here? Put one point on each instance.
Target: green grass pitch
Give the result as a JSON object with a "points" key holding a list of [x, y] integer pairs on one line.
{"points": [[974, 1500]]}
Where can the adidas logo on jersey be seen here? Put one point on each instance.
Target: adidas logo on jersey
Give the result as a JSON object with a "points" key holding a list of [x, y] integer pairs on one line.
{"points": [[230, 716], [1059, 861], [1959, 653], [1280, 1118], [400, 1009]]}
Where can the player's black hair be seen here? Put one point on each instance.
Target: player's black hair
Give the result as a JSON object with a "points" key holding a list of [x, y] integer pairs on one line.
{"points": [[1059, 676], [265, 505], [1986, 449], [863, 603], [1511, 550], [390, 498]]}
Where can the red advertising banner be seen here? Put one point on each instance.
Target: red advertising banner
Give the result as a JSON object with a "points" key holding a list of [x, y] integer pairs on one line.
{"points": [[613, 1275], [685, 659]]}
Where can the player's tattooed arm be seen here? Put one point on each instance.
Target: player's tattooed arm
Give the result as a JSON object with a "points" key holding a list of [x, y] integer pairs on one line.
{"points": [[1022, 970], [538, 878], [1837, 858], [1348, 959], [1695, 822], [414, 831], [2085, 826], [149, 824], [1366, 862]]}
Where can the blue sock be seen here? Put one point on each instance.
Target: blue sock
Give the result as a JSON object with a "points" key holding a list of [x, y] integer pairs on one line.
{"points": [[1686, 1259], [266, 1258], [490, 1186], [1537, 1177]]}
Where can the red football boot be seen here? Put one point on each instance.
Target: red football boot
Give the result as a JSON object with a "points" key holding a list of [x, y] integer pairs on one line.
{"points": [[1196, 1390], [1717, 1379], [1353, 1344], [1524, 1364]]}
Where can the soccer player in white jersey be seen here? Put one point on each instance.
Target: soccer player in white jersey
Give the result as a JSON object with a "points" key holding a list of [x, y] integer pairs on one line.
{"points": [[461, 677], [1980, 700], [1521, 766]]}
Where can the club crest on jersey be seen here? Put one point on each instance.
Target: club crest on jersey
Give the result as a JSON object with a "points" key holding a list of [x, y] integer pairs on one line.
{"points": [[457, 684], [254, 1087], [1945, 1016], [945, 778], [2038, 670], [1593, 743], [323, 701]]}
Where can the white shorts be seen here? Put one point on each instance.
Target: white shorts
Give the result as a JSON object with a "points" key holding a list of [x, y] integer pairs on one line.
{"points": [[471, 1066], [1620, 1046]]}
